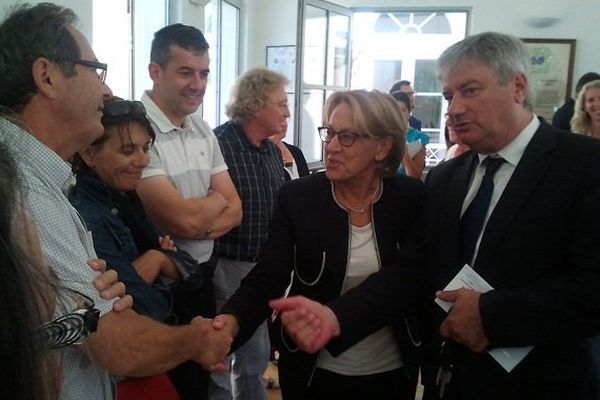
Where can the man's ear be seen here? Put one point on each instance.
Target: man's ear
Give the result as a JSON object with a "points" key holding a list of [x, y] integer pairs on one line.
{"points": [[46, 76], [154, 70], [521, 83]]}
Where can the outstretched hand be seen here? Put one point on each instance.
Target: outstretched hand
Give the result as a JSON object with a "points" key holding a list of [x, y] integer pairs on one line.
{"points": [[310, 324]]}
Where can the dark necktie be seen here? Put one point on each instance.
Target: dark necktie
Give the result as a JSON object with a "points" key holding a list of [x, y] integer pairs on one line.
{"points": [[472, 220]]}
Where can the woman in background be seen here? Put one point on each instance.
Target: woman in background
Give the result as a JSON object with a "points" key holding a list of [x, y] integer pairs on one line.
{"points": [[293, 159], [108, 172], [27, 297], [586, 119]]}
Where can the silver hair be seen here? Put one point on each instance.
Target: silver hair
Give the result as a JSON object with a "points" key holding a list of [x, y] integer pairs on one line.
{"points": [[250, 92], [504, 54]]}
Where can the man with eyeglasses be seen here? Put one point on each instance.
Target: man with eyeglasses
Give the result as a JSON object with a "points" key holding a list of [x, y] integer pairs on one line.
{"points": [[51, 103], [186, 189], [258, 108]]}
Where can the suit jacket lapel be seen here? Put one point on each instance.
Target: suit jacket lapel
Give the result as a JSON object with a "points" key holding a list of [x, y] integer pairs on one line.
{"points": [[450, 219], [531, 169]]}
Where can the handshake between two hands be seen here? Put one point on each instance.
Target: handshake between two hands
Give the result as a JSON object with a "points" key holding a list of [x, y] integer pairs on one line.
{"points": [[216, 337], [310, 324]]}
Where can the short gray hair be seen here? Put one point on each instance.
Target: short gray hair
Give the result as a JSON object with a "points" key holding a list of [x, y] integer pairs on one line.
{"points": [[504, 54], [250, 92]]}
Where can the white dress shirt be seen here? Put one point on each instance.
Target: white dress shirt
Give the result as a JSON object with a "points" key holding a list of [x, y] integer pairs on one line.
{"points": [[512, 154]]}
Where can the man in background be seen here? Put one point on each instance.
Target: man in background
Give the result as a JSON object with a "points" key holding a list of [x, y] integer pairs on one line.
{"points": [[258, 109], [406, 87], [186, 188]]}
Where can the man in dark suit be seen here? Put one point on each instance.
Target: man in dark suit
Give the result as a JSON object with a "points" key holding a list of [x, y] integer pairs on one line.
{"points": [[537, 243]]}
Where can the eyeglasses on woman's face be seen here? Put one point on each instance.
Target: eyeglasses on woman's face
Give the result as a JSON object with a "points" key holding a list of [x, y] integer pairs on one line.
{"points": [[346, 138]]}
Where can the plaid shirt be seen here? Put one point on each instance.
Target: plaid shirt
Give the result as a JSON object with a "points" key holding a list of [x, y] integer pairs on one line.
{"points": [[257, 173]]}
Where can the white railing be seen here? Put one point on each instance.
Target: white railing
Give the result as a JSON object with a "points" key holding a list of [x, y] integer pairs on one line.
{"points": [[434, 154]]}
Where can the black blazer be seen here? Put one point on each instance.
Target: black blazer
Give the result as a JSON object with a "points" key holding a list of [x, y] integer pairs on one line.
{"points": [[541, 253], [309, 235], [299, 158], [562, 117]]}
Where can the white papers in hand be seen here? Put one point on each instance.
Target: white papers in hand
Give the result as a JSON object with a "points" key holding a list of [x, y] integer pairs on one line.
{"points": [[467, 278]]}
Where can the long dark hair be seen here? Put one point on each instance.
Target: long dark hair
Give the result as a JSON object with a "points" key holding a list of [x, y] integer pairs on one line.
{"points": [[27, 294]]}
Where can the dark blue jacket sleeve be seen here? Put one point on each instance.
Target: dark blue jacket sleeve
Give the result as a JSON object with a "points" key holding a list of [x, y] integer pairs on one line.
{"points": [[116, 250]]}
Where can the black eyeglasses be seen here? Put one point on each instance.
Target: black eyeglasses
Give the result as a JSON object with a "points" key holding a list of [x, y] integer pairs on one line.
{"points": [[98, 67], [345, 138], [123, 108], [73, 327]]}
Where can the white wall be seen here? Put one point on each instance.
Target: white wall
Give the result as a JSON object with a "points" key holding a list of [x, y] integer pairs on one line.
{"points": [[266, 23], [274, 23]]}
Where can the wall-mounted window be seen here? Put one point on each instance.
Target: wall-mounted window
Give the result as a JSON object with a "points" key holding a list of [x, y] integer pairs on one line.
{"points": [[404, 44], [122, 36], [325, 66], [221, 28]]}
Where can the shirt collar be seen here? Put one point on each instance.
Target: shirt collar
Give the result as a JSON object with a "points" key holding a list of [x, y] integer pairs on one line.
{"points": [[513, 151], [159, 118]]}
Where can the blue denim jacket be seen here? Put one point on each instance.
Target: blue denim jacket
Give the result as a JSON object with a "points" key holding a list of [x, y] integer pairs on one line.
{"points": [[114, 243]]}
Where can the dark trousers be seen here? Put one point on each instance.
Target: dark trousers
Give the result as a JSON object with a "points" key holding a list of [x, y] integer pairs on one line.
{"points": [[190, 299], [592, 389], [327, 385]]}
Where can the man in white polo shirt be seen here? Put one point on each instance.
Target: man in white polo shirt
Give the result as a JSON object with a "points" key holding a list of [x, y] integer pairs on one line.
{"points": [[186, 188]]}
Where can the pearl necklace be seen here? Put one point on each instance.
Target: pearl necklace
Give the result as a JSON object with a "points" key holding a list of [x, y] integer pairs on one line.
{"points": [[363, 210]]}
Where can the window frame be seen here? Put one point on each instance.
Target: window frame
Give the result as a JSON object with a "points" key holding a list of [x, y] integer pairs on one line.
{"points": [[301, 86]]}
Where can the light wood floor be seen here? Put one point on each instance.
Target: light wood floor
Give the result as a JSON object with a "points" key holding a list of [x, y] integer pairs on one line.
{"points": [[271, 372]]}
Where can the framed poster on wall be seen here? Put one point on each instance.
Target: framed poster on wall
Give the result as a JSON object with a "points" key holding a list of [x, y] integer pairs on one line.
{"points": [[283, 60], [550, 73]]}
